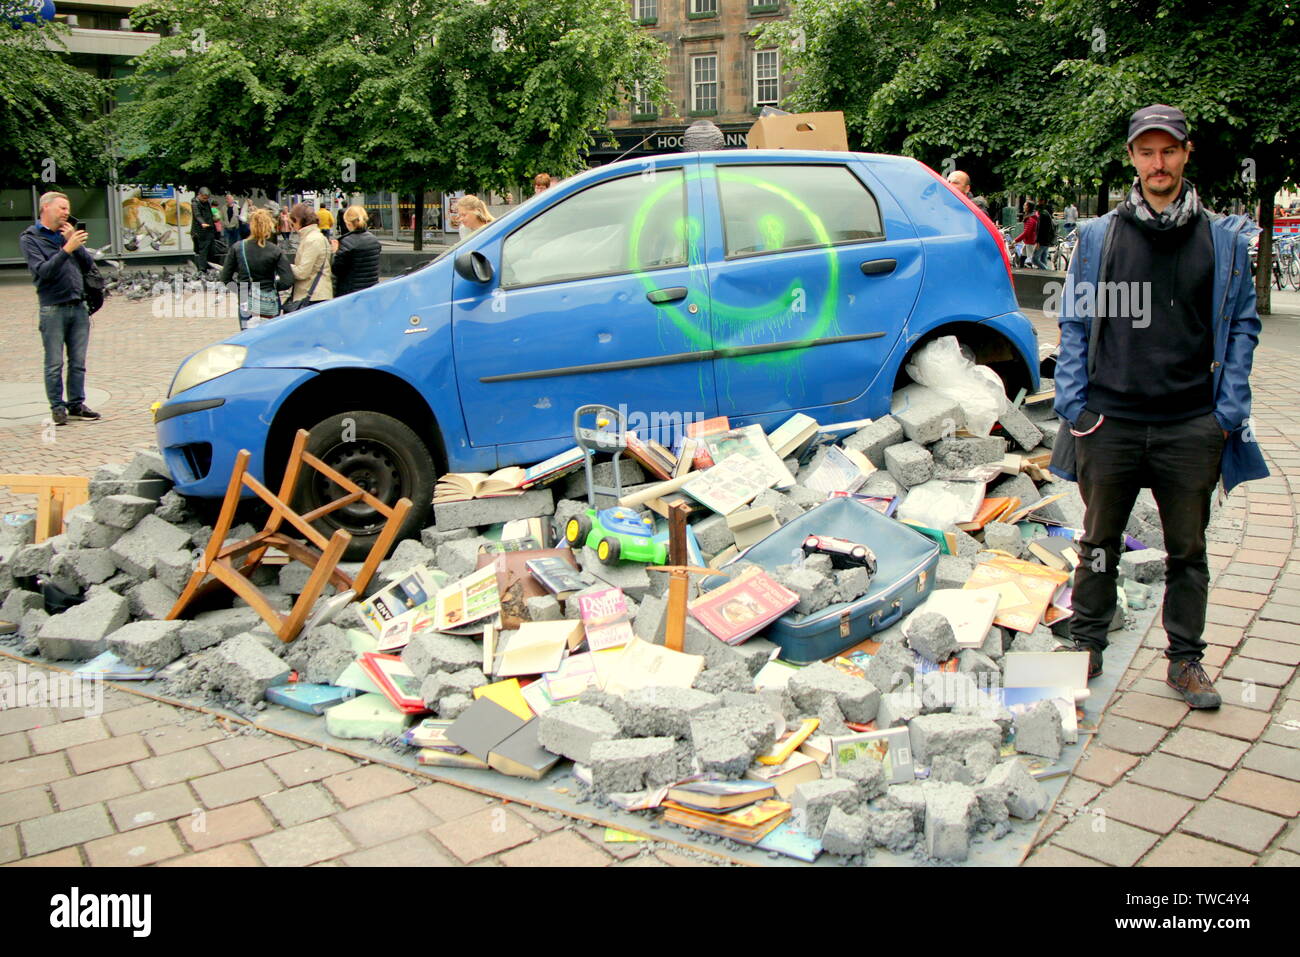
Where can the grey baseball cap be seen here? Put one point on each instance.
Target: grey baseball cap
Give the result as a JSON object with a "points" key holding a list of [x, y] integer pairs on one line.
{"points": [[1170, 119]]}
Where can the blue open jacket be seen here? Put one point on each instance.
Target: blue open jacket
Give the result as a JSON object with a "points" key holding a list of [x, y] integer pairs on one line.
{"points": [[1236, 332]]}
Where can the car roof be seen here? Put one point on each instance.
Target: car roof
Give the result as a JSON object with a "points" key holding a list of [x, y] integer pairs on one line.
{"points": [[763, 156]]}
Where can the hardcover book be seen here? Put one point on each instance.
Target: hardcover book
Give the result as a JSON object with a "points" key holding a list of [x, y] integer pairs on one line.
{"points": [[753, 445], [605, 619], [396, 681], [743, 606], [1025, 589], [893, 748], [559, 576], [841, 470], [728, 485]]}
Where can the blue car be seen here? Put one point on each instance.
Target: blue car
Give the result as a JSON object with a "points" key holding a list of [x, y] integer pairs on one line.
{"points": [[749, 284]]}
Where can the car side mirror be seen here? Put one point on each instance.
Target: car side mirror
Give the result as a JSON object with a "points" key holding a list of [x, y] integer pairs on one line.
{"points": [[474, 266]]}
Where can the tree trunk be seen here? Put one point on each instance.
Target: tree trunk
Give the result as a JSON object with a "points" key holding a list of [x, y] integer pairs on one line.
{"points": [[1103, 199], [1264, 264], [419, 219]]}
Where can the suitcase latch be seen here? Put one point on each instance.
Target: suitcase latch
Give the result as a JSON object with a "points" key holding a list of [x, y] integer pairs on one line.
{"points": [[920, 581], [845, 619]]}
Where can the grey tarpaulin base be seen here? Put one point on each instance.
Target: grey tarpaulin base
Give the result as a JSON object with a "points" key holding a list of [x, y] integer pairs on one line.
{"points": [[558, 791]]}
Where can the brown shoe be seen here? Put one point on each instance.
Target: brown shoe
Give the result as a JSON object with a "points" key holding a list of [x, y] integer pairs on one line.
{"points": [[1189, 679]]}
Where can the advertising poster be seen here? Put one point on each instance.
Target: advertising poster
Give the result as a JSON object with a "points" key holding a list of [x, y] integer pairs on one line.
{"points": [[155, 219]]}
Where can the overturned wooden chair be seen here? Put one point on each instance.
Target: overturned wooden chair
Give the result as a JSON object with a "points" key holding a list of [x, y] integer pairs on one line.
{"points": [[217, 566], [56, 495]]}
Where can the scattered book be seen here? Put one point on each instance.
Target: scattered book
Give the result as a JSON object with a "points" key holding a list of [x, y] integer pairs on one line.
{"points": [[947, 541], [396, 681], [956, 501], [484, 725], [686, 457], [841, 470], [537, 647], [699, 429], [1024, 589], [792, 435], [746, 825], [463, 486], [515, 582], [719, 795], [110, 667], [969, 611], [393, 612], [558, 576], [605, 619], [506, 694], [753, 445], [431, 733], [432, 757], [1059, 553], [521, 756], [656, 459], [788, 775], [556, 467], [575, 675], [467, 601], [990, 510], [523, 534], [788, 840], [308, 698], [788, 743], [886, 505], [728, 485], [1047, 669], [743, 606], [641, 664], [1022, 513], [893, 748]]}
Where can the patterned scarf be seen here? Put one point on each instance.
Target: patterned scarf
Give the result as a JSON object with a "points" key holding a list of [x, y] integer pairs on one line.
{"points": [[1178, 213]]}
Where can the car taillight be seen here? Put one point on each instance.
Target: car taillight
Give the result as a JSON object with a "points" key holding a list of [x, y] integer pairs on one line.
{"points": [[983, 218]]}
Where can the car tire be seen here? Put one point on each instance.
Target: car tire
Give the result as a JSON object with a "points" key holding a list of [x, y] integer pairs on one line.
{"points": [[382, 455]]}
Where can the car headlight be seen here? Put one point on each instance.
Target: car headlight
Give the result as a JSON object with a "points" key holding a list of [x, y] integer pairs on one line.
{"points": [[208, 364]]}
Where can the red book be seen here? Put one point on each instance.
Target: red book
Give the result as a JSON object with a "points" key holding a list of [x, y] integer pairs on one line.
{"points": [[720, 423], [743, 607], [398, 683]]}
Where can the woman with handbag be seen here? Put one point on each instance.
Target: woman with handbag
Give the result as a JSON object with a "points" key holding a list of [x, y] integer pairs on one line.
{"points": [[262, 269], [313, 281]]}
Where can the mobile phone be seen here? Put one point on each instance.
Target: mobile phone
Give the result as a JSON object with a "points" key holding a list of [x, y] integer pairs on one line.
{"points": [[76, 223]]}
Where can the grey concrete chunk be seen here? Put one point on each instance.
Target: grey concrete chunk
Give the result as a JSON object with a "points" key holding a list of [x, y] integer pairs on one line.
{"points": [[652, 620], [1025, 797], [1038, 731], [84, 532], [492, 511], [244, 669], [80, 633], [898, 708], [893, 829], [173, 508], [32, 560], [431, 651], [726, 740], [663, 711], [881, 483], [812, 802], [1040, 639], [893, 665], [633, 764], [632, 577], [570, 730], [845, 834], [934, 734], [433, 536], [543, 608], [964, 453], [858, 699], [453, 705], [729, 676], [574, 486], [980, 759], [459, 557], [123, 511], [714, 534], [925, 415], [949, 814], [151, 600], [1004, 537], [20, 529], [930, 635], [1145, 566], [943, 691], [867, 773], [230, 621], [1017, 425], [148, 644], [173, 569], [909, 464], [137, 551], [872, 440]]}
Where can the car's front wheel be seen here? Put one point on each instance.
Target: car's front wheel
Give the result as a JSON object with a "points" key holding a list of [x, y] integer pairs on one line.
{"points": [[381, 455]]}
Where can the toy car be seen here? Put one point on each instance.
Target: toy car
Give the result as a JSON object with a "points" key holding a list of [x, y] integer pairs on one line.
{"points": [[616, 534], [843, 553]]}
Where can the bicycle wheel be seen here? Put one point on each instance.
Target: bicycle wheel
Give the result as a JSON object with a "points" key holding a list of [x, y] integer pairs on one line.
{"points": [[1293, 269]]}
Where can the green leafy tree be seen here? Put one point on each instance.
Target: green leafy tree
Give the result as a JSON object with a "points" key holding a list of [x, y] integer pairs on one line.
{"points": [[50, 119]]}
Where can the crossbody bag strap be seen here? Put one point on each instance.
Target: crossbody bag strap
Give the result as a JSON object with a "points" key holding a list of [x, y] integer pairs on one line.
{"points": [[243, 253], [319, 272]]}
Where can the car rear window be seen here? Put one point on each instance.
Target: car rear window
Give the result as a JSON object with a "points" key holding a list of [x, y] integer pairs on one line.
{"points": [[768, 208], [619, 226]]}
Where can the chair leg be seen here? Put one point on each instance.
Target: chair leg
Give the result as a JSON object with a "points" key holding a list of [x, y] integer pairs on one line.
{"points": [[315, 585]]}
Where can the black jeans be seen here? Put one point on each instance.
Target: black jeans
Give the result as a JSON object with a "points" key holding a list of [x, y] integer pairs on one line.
{"points": [[1179, 462]]}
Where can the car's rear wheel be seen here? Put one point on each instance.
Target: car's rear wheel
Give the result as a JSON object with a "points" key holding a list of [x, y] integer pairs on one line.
{"points": [[380, 454]]}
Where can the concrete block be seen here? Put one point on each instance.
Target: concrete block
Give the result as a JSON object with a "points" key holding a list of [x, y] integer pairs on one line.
{"points": [[633, 764], [652, 619], [21, 529], [458, 557], [891, 666], [1004, 537], [411, 552], [32, 560], [146, 464], [783, 506], [812, 802], [757, 652], [1039, 731], [632, 577], [151, 600], [857, 699], [244, 669], [925, 415], [84, 532], [230, 621], [663, 711], [434, 687], [542, 608], [292, 578], [867, 774], [80, 632], [964, 453], [1146, 566], [714, 534], [953, 572], [430, 651], [89, 566], [123, 511], [465, 680], [173, 508], [949, 813], [815, 588], [995, 643], [1017, 425], [367, 717], [946, 770], [1025, 797], [149, 644], [726, 740], [805, 498], [930, 635], [881, 483], [321, 654], [850, 584], [570, 730], [972, 662], [893, 829], [847, 835], [968, 546], [942, 691], [453, 705], [195, 636], [173, 569], [872, 440], [1040, 639], [909, 464], [898, 708], [30, 625], [951, 734], [433, 536], [720, 678], [478, 512], [602, 473], [137, 551], [1067, 511], [1019, 485], [980, 759]]}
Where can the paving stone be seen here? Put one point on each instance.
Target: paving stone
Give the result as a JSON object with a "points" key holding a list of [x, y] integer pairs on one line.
{"points": [[1168, 773], [1182, 850], [68, 857], [295, 806], [178, 737], [171, 768], [366, 784], [485, 832], [247, 748], [1263, 672], [1241, 827], [387, 819], [563, 849], [302, 845], [413, 850], [151, 807], [148, 845], [14, 746], [140, 718], [67, 734], [64, 829], [97, 786], [1281, 859], [33, 771], [226, 825], [309, 764], [1216, 749], [26, 804], [1103, 765], [24, 719], [1152, 710], [1276, 651], [1142, 807], [1229, 720], [1109, 841], [1248, 694], [1273, 759], [235, 785], [1263, 792], [450, 803], [1135, 737], [228, 855]]}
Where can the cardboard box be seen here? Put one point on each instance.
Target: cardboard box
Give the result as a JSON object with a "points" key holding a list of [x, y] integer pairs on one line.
{"points": [[799, 131]]}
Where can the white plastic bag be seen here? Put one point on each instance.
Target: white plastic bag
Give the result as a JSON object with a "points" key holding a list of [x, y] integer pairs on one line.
{"points": [[940, 365]]}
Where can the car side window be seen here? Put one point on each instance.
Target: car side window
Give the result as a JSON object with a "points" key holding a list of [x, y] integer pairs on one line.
{"points": [[767, 209], [619, 226]]}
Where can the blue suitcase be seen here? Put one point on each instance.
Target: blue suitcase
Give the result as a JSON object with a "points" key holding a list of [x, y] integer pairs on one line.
{"points": [[906, 563]]}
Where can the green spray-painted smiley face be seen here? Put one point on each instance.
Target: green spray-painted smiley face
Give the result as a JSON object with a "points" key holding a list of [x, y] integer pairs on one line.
{"points": [[771, 230]]}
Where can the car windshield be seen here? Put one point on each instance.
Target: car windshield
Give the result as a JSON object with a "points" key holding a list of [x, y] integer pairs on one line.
{"points": [[460, 242]]}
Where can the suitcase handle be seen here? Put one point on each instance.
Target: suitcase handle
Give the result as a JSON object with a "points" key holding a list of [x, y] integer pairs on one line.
{"points": [[895, 613]]}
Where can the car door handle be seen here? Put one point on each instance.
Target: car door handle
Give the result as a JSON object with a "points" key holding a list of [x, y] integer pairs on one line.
{"points": [[877, 267], [671, 294]]}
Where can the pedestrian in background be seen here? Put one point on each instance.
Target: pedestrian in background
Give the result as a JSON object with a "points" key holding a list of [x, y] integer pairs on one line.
{"points": [[1029, 235], [1070, 219], [541, 183], [474, 215], [57, 258], [311, 266], [1045, 234], [325, 220], [203, 228], [263, 269], [356, 255]]}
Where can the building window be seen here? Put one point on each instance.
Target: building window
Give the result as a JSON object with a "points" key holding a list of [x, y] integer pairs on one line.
{"points": [[763, 6], [702, 8], [645, 11], [642, 106], [704, 83], [767, 77]]}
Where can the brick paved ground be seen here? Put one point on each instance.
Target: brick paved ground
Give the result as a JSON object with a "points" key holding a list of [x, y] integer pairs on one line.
{"points": [[152, 783]]}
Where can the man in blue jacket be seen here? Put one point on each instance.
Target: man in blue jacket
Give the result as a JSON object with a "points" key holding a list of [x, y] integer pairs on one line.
{"points": [[57, 258], [1158, 331]]}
